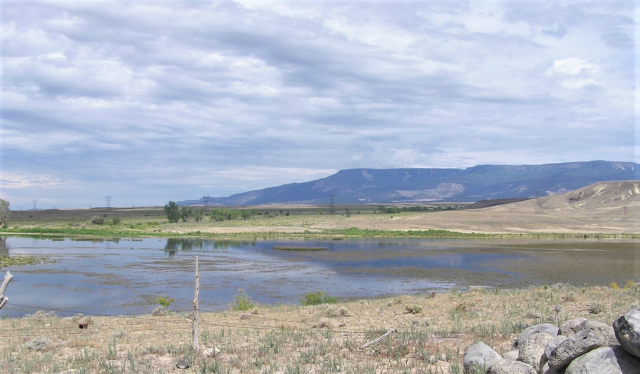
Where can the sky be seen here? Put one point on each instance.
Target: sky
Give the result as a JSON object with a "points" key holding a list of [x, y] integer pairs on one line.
{"points": [[151, 101]]}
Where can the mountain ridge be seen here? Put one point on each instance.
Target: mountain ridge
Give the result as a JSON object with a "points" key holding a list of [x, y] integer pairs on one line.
{"points": [[423, 185]]}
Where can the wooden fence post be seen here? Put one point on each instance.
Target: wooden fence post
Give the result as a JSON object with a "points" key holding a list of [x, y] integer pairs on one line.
{"points": [[3, 299], [195, 309]]}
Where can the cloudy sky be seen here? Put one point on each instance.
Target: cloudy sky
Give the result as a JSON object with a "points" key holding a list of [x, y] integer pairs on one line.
{"points": [[151, 101]]}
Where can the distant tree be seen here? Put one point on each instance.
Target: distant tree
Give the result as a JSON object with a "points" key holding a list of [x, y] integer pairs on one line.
{"points": [[4, 213], [198, 214], [187, 213], [173, 211]]}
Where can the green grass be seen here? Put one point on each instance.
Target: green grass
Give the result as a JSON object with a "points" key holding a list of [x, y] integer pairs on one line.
{"points": [[298, 248], [23, 260]]}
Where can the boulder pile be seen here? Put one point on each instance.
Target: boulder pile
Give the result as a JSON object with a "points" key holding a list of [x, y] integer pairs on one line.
{"points": [[579, 346]]}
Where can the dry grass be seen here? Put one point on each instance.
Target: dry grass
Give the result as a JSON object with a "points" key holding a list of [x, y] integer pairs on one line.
{"points": [[310, 339]]}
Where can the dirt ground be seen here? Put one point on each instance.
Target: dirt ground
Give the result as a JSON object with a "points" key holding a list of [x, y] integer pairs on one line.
{"points": [[432, 333]]}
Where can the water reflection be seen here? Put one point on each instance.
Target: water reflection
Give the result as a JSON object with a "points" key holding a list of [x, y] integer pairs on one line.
{"points": [[176, 244], [125, 276], [4, 248]]}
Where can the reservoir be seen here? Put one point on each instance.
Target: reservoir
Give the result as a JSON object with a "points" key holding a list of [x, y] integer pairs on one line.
{"points": [[126, 276]]}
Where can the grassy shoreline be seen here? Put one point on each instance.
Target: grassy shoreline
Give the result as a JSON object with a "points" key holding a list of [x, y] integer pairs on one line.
{"points": [[306, 234], [433, 332]]}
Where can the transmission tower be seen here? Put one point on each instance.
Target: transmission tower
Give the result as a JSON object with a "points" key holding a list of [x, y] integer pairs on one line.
{"points": [[206, 200], [108, 201], [35, 204]]}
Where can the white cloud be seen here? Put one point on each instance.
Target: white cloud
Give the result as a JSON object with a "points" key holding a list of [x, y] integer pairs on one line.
{"points": [[573, 66], [20, 180], [160, 99]]}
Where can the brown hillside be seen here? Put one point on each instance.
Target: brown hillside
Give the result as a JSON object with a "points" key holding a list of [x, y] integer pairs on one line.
{"points": [[604, 207]]}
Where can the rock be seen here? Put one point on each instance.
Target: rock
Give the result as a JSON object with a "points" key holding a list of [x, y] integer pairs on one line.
{"points": [[543, 327], [605, 360], [183, 364], [572, 326], [85, 322], [211, 352], [547, 370], [39, 344], [627, 330], [553, 343], [532, 350], [511, 367], [592, 335], [480, 356], [511, 355], [160, 311]]}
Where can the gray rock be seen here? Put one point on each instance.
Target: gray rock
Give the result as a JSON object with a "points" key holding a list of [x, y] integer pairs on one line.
{"points": [[39, 344], [553, 343], [570, 327], [480, 356], [547, 370], [605, 360], [532, 350], [511, 355], [511, 367], [543, 327], [627, 330], [592, 335]]}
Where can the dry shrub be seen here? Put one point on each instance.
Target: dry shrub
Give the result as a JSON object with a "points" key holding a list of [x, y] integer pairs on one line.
{"points": [[464, 306], [413, 308], [333, 311], [323, 323]]}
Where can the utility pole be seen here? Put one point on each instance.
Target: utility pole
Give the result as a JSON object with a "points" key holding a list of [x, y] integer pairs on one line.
{"points": [[206, 200], [108, 201], [332, 196], [35, 204]]}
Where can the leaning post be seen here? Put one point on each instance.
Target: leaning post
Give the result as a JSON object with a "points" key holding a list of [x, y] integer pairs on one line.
{"points": [[7, 278], [195, 309]]}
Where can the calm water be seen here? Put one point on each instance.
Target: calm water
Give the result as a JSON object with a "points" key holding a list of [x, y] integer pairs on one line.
{"points": [[111, 277]]}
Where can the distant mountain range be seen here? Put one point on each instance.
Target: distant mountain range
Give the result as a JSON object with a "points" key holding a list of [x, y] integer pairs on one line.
{"points": [[373, 186]]}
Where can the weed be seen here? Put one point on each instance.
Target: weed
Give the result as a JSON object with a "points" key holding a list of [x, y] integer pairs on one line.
{"points": [[242, 302], [317, 298], [164, 301], [596, 308]]}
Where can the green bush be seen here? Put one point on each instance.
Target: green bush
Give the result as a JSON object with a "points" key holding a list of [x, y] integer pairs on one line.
{"points": [[165, 302], [242, 302], [317, 298], [97, 220], [115, 220]]}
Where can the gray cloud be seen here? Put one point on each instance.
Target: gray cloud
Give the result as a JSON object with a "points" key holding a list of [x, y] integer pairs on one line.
{"points": [[151, 101]]}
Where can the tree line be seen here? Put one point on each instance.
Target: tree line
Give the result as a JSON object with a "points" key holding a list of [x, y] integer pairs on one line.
{"points": [[187, 213]]}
